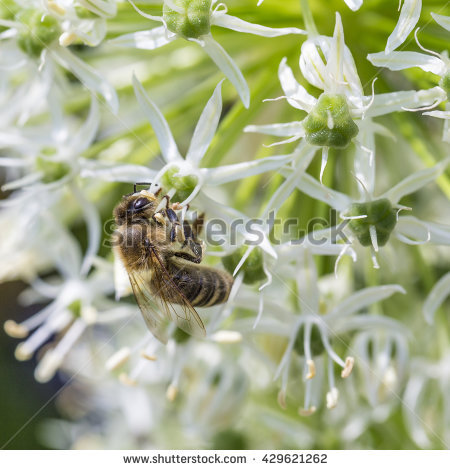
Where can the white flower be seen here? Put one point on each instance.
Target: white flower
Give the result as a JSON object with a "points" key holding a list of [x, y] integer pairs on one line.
{"points": [[342, 113], [187, 172], [78, 301], [311, 330], [40, 33], [438, 64], [373, 219], [193, 23]]}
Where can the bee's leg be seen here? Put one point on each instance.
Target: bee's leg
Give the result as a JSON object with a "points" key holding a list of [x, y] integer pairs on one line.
{"points": [[191, 249], [197, 225]]}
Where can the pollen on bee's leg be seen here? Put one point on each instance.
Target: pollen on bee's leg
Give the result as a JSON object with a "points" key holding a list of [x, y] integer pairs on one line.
{"points": [[347, 370], [127, 380], [311, 369], [171, 392], [148, 194], [176, 206], [148, 356], [15, 330], [332, 398], [282, 399], [307, 411], [118, 359]]}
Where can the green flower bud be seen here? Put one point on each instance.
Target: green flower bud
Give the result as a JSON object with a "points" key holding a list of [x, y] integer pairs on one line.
{"points": [[329, 124], [445, 84], [183, 184], [229, 440], [252, 268], [188, 18], [51, 170], [180, 336], [380, 214], [316, 343], [39, 31], [8, 9]]}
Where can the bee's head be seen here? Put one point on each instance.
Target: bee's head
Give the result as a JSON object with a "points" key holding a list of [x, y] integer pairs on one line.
{"points": [[136, 207]]}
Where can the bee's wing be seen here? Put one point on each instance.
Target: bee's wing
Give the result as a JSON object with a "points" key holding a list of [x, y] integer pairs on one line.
{"points": [[176, 307], [156, 321]]}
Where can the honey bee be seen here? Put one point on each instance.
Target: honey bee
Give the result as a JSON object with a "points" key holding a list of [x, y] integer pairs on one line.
{"points": [[162, 256]]}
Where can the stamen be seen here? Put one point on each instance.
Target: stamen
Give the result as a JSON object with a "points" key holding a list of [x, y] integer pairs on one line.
{"points": [[324, 162], [374, 260], [149, 357], [311, 369], [349, 362], [126, 380], [260, 310], [373, 237], [332, 398], [118, 359], [424, 49], [423, 108], [282, 399], [15, 330], [23, 352], [172, 392], [307, 412], [47, 367]]}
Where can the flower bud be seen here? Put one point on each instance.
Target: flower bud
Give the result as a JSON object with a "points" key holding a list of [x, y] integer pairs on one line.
{"points": [[253, 268], [183, 184], [380, 214], [188, 18], [38, 33], [329, 124]]}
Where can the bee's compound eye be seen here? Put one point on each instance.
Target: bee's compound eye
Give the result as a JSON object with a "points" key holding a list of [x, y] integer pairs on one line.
{"points": [[140, 203]]}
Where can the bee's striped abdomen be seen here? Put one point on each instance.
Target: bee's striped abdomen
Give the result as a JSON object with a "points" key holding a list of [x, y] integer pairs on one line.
{"points": [[201, 285]]}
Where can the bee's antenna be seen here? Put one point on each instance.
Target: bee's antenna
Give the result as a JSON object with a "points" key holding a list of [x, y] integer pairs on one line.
{"points": [[140, 184]]}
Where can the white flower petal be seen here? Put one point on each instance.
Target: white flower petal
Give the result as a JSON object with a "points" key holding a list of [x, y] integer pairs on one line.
{"points": [[87, 75], [151, 39], [83, 138], [228, 67], [335, 61], [436, 297], [409, 16], [206, 127], [387, 103], [281, 130], [364, 298], [442, 20], [297, 96], [397, 60], [227, 173], [236, 24], [313, 188], [415, 182], [162, 130], [113, 172], [415, 229], [438, 114], [354, 4]]}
